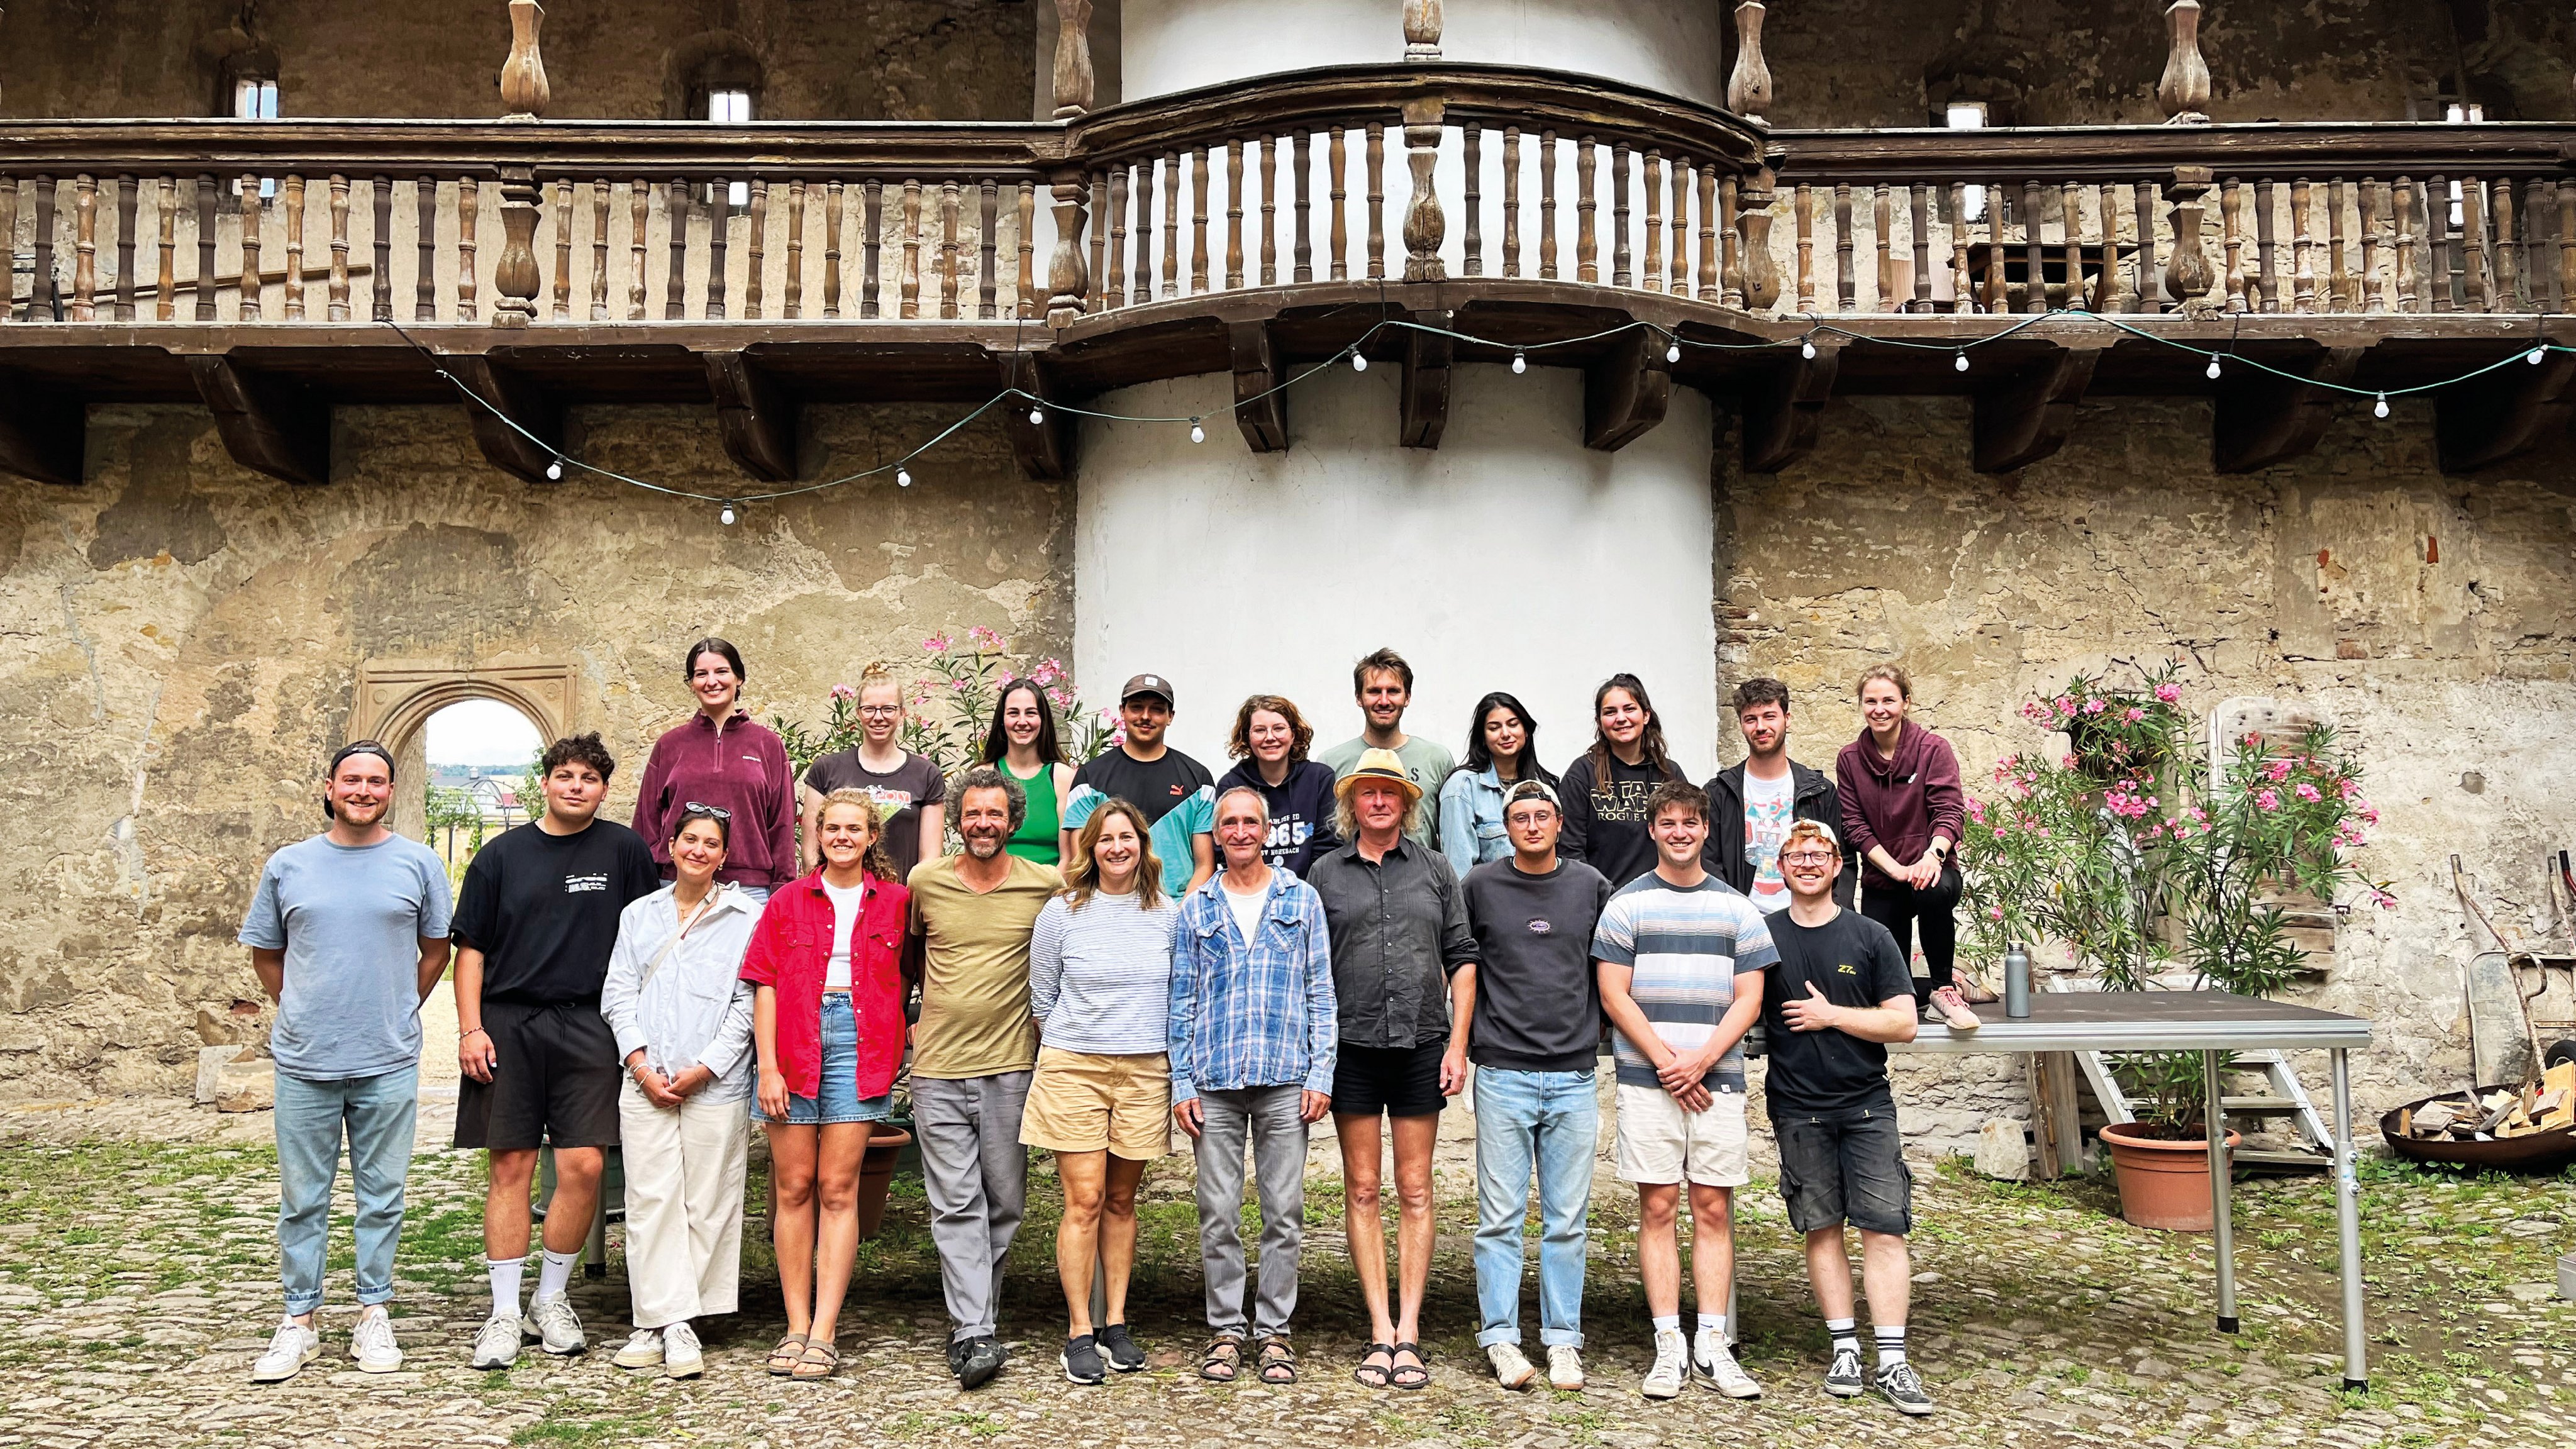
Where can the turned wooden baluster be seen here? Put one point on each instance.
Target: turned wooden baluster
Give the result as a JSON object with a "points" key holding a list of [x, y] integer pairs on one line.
{"points": [[1376, 201], [1587, 250], [1300, 181], [639, 201], [2478, 245], [2143, 199], [2231, 203], [1846, 272], [1511, 201], [2187, 274], [380, 199], [1761, 276], [2436, 199], [948, 223], [247, 209], [1804, 209], [2537, 272], [599, 225], [84, 249], [792, 289], [1883, 226], [206, 196], [988, 234], [1920, 198], [676, 204], [125, 217], [2338, 279], [1422, 21], [2184, 88], [908, 279], [469, 202], [872, 221], [292, 203], [1066, 283], [335, 303], [1620, 274], [165, 305], [1113, 290], [1234, 215], [1547, 160], [563, 251], [1141, 285], [1096, 223], [1748, 87], [2034, 250], [719, 238], [1706, 289], [1963, 286], [2371, 211], [1269, 148], [1425, 227], [2405, 204], [1998, 293], [1677, 233], [2265, 292], [2070, 210], [1651, 279], [1199, 201], [2303, 275], [1730, 261], [833, 202], [1171, 271], [756, 255], [1337, 163], [2111, 290], [40, 283], [1026, 302], [2567, 243], [1473, 242], [2503, 282], [9, 243]]}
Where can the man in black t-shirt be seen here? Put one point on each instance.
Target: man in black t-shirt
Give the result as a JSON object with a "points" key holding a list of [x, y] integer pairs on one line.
{"points": [[534, 927], [1838, 994], [1175, 792]]}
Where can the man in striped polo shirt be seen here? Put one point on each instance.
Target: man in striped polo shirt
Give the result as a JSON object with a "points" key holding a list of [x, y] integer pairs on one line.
{"points": [[1681, 956]]}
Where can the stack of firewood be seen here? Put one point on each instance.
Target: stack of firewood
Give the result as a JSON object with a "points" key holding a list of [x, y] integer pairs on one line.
{"points": [[2544, 1104]]}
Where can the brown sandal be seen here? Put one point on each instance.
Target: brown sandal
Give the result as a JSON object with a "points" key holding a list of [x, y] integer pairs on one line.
{"points": [[1278, 1363], [783, 1359], [818, 1360], [1222, 1363]]}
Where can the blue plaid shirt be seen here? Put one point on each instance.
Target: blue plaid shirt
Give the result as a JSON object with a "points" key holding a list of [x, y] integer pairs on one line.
{"points": [[1256, 1014]]}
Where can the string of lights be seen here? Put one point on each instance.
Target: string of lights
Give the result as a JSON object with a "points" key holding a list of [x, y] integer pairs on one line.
{"points": [[730, 505]]}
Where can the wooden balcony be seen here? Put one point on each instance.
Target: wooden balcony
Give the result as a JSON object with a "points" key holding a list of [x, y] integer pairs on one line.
{"points": [[271, 269]]}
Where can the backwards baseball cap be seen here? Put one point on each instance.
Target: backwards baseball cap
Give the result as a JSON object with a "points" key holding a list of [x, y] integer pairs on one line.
{"points": [[1153, 684], [362, 747], [1531, 790], [1810, 830]]}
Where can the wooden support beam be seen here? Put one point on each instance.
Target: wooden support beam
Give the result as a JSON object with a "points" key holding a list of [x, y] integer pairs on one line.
{"points": [[1626, 390], [511, 397], [1045, 448], [41, 432], [1782, 411], [1423, 393], [2263, 419], [2504, 414], [1260, 409], [2027, 415], [756, 416], [2056, 1127], [268, 425]]}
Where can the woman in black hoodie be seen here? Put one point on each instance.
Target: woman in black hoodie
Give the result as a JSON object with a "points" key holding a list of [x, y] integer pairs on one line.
{"points": [[1605, 790], [1270, 740]]}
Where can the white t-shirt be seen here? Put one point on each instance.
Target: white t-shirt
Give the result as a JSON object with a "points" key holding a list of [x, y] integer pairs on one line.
{"points": [[1247, 910], [846, 904], [1768, 805]]}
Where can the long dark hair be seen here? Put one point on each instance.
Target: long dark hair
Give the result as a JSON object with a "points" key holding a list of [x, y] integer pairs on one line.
{"points": [[1652, 740], [997, 741], [1480, 756]]}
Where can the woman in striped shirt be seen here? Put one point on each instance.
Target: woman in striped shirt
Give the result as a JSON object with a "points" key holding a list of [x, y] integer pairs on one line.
{"points": [[1100, 985]]}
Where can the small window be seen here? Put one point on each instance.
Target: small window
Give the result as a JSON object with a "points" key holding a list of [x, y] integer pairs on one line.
{"points": [[254, 99], [732, 107]]}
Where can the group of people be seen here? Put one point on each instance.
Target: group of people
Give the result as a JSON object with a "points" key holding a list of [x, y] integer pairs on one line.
{"points": [[1120, 947]]}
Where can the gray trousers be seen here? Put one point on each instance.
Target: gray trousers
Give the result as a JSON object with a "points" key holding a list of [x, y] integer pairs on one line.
{"points": [[1267, 1116], [976, 1175]]}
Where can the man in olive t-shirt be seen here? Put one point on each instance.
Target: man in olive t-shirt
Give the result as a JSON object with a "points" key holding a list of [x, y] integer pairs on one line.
{"points": [[974, 1048]]}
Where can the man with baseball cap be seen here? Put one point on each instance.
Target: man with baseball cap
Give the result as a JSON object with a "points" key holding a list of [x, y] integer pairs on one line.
{"points": [[1175, 792], [1404, 982]]}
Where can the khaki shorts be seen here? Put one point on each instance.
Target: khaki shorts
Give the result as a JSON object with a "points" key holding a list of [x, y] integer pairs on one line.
{"points": [[1083, 1102], [1659, 1142]]}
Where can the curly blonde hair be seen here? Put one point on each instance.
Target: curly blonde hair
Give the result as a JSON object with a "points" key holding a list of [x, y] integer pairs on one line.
{"points": [[874, 861]]}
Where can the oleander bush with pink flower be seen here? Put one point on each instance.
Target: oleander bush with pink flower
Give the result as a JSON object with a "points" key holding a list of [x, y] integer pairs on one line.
{"points": [[2129, 853], [949, 705]]}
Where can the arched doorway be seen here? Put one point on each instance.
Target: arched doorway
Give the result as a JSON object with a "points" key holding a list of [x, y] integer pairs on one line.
{"points": [[397, 698], [477, 754]]}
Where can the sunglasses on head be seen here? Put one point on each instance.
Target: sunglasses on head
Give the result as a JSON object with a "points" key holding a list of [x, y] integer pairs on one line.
{"points": [[712, 811]]}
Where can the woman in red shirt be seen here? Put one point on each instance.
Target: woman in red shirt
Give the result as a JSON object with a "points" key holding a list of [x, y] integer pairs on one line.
{"points": [[720, 757], [827, 1020]]}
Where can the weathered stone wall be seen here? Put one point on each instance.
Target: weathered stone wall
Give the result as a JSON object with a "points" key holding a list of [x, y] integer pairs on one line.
{"points": [[2431, 618], [814, 59], [182, 641]]}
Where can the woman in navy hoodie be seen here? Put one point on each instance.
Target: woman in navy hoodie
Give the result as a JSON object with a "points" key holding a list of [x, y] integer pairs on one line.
{"points": [[1271, 739], [1903, 812]]}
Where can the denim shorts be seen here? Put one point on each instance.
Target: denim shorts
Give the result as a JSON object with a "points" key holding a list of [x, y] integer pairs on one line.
{"points": [[840, 1100], [1844, 1167]]}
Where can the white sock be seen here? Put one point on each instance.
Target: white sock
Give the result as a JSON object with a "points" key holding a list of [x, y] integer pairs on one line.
{"points": [[504, 1273], [1891, 1345], [556, 1274], [1670, 1323], [1845, 1333], [1713, 1322]]}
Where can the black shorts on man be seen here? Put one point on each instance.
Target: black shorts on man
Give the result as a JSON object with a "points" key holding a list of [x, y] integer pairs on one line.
{"points": [[555, 1080], [1396, 1081]]}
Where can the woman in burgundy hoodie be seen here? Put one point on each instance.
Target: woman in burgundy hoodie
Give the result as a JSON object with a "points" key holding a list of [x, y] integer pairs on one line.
{"points": [[723, 759], [1903, 812]]}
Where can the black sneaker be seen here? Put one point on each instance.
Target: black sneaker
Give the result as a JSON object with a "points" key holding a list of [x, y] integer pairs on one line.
{"points": [[1081, 1360], [1124, 1355], [981, 1361], [1903, 1389], [957, 1355], [1843, 1378]]}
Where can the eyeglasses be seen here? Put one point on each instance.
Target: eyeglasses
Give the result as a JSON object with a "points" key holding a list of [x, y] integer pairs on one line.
{"points": [[1806, 857], [880, 709], [716, 811]]}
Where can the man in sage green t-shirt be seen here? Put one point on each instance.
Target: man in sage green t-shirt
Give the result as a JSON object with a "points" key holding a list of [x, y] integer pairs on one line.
{"points": [[1383, 684]]}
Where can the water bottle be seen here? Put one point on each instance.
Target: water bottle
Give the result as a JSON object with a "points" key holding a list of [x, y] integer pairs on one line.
{"points": [[2016, 980]]}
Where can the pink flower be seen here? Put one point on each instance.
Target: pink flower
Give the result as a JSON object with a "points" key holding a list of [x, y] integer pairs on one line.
{"points": [[2169, 692], [2308, 792], [843, 691], [957, 685], [1977, 811], [1993, 913], [2094, 706], [1007, 677], [984, 638], [2065, 706], [2068, 762], [2134, 714], [2277, 770], [935, 644], [1044, 675], [2348, 788], [2267, 800], [2383, 899]]}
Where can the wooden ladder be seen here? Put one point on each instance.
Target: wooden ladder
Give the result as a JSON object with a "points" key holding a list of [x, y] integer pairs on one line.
{"points": [[2287, 1098]]}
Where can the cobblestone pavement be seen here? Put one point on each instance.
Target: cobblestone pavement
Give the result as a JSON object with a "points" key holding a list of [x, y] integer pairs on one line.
{"points": [[137, 1282]]}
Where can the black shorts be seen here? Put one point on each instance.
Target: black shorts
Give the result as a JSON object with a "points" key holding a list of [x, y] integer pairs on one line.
{"points": [[1398, 1081], [1844, 1167], [555, 1080]]}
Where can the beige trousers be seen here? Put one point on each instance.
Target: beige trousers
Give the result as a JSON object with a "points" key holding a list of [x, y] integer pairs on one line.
{"points": [[684, 1174]]}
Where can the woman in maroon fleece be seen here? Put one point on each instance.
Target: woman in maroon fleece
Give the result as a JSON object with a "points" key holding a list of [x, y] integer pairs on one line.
{"points": [[721, 758], [1903, 812]]}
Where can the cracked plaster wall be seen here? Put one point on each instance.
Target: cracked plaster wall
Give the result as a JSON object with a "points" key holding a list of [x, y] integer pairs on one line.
{"points": [[2451, 664], [179, 641]]}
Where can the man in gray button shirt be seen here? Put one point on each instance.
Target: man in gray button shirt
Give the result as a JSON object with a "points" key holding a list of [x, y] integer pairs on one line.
{"points": [[1404, 973]]}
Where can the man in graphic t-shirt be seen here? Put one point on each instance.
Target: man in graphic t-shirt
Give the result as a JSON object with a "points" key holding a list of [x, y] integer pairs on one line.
{"points": [[1752, 804], [534, 927], [1177, 793], [1383, 685], [1838, 993]]}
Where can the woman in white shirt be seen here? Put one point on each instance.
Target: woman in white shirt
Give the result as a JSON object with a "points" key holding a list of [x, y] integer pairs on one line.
{"points": [[682, 1016]]}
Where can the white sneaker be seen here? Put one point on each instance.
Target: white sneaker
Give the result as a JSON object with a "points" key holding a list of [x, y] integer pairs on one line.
{"points": [[1512, 1368], [1672, 1365], [289, 1350], [1564, 1367], [372, 1344], [557, 1327], [643, 1350], [497, 1345], [681, 1356], [1717, 1369]]}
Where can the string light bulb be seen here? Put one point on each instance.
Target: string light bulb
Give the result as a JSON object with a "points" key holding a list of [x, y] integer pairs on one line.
{"points": [[903, 477], [1960, 362], [2536, 356], [1037, 417], [1673, 353], [2379, 409], [1359, 360], [2213, 367], [1807, 349], [725, 515], [1520, 364], [1197, 434]]}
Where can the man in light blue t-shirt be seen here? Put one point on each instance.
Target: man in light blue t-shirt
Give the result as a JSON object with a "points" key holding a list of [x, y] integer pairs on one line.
{"points": [[349, 934]]}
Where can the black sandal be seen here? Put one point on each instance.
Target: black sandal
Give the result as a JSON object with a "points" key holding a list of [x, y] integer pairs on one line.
{"points": [[1222, 1363], [1415, 1375], [1278, 1364], [1385, 1375]]}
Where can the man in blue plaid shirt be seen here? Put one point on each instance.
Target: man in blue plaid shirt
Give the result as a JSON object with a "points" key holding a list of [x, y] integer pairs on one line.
{"points": [[1253, 1030]]}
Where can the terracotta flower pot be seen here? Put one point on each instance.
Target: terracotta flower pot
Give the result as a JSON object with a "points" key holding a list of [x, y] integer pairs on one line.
{"points": [[876, 1174], [2164, 1184]]}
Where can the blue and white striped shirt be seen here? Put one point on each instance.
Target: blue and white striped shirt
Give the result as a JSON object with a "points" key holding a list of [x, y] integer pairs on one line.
{"points": [[1257, 1013], [1100, 978], [1687, 949]]}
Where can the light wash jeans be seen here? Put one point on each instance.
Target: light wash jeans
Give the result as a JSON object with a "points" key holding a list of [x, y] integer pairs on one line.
{"points": [[377, 1113], [1549, 1121]]}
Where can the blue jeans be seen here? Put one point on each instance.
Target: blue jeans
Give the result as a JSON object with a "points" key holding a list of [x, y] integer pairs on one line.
{"points": [[377, 1113], [1549, 1121]]}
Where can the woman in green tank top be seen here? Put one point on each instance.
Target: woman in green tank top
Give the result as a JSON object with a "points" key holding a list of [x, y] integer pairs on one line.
{"points": [[1022, 741]]}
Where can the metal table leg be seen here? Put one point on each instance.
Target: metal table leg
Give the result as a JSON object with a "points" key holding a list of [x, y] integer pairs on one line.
{"points": [[2223, 1232], [2356, 1366]]}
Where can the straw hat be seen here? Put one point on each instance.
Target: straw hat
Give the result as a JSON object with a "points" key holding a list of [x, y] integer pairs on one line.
{"points": [[1378, 765]]}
